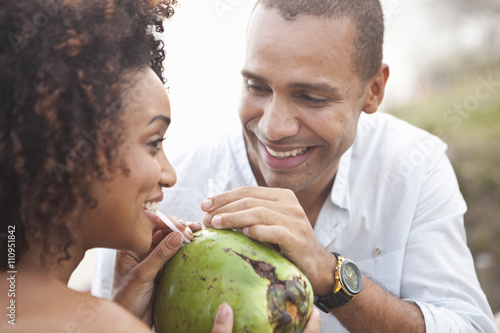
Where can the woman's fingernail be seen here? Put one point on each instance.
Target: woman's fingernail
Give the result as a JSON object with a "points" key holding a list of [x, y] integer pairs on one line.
{"points": [[223, 313], [217, 221], [207, 220], [207, 203], [174, 240], [245, 230], [181, 221]]}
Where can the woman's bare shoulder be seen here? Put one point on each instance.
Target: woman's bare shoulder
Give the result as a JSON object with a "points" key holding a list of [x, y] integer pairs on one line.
{"points": [[98, 315], [65, 310]]}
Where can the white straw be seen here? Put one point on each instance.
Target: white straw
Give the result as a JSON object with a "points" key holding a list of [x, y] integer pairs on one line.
{"points": [[171, 225]]}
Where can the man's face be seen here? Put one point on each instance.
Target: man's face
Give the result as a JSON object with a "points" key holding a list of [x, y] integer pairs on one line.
{"points": [[301, 98]]}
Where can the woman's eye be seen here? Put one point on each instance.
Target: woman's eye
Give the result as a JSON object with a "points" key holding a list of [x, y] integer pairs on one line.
{"points": [[156, 143]]}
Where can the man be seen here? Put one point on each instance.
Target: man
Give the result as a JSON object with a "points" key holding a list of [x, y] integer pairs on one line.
{"points": [[319, 173]]}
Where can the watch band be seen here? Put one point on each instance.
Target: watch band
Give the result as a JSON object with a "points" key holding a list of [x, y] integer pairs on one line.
{"points": [[332, 300]]}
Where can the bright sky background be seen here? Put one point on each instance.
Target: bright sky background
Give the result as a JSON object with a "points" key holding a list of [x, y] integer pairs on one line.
{"points": [[205, 42]]}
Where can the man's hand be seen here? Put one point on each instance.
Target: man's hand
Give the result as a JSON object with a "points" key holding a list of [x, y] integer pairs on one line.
{"points": [[275, 216], [134, 278]]}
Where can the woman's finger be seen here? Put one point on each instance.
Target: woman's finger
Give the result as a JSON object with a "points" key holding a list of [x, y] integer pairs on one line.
{"points": [[194, 226], [161, 254], [224, 319], [175, 224], [314, 323], [158, 236]]}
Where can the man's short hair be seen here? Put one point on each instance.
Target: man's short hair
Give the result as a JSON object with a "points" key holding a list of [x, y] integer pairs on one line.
{"points": [[366, 14]]}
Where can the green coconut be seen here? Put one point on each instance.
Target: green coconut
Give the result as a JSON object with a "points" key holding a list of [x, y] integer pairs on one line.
{"points": [[265, 290]]}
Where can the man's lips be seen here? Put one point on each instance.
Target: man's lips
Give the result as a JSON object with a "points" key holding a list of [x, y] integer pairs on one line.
{"points": [[286, 158], [287, 153]]}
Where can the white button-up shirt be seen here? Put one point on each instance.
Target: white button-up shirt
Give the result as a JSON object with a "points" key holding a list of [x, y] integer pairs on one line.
{"points": [[395, 209]]}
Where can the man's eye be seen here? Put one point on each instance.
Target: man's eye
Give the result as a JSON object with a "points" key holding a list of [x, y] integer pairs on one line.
{"points": [[256, 88], [313, 100]]}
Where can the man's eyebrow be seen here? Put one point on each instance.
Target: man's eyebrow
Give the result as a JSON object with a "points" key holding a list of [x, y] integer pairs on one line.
{"points": [[249, 75], [323, 87], [160, 117]]}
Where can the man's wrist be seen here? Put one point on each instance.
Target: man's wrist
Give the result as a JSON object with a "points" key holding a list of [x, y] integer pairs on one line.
{"points": [[326, 280]]}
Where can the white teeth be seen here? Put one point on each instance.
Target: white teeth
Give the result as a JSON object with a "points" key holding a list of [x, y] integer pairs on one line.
{"points": [[151, 206], [285, 154]]}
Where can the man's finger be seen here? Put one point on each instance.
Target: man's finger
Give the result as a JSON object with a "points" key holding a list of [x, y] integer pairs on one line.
{"points": [[258, 192], [241, 219], [224, 319], [244, 204]]}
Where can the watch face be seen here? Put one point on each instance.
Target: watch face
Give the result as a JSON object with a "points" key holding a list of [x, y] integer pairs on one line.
{"points": [[351, 277]]}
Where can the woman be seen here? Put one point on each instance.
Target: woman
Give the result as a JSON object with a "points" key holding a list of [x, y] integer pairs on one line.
{"points": [[83, 114]]}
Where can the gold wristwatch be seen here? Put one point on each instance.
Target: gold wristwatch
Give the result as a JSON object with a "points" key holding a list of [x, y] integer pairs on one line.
{"points": [[348, 284]]}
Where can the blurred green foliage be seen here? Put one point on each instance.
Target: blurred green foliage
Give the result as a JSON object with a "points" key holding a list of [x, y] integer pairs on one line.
{"points": [[459, 108]]}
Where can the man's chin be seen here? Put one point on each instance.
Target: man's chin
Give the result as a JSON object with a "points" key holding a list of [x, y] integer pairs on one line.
{"points": [[284, 181]]}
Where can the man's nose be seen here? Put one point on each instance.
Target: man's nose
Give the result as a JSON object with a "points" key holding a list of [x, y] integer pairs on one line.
{"points": [[279, 120]]}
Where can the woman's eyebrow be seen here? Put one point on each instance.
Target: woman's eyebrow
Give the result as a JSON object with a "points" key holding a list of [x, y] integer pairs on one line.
{"points": [[160, 117]]}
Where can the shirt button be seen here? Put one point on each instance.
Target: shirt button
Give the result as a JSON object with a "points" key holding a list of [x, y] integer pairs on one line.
{"points": [[377, 252]]}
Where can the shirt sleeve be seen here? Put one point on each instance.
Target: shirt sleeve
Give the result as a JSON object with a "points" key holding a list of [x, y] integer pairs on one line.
{"points": [[439, 274], [103, 273]]}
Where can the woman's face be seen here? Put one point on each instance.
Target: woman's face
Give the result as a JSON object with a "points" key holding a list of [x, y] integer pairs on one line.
{"points": [[123, 218]]}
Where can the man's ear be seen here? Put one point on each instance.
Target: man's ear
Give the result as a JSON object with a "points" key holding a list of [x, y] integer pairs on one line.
{"points": [[375, 89]]}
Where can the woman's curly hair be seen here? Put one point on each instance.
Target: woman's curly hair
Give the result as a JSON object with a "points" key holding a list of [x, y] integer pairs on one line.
{"points": [[61, 75]]}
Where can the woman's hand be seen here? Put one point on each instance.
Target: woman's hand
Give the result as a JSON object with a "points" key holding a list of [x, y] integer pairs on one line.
{"points": [[224, 320], [314, 323], [134, 278]]}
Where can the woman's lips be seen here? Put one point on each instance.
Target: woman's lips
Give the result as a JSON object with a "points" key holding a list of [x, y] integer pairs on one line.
{"points": [[152, 217]]}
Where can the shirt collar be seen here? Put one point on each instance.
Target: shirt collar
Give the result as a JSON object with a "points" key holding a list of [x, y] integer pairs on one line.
{"points": [[340, 195], [334, 214], [238, 147]]}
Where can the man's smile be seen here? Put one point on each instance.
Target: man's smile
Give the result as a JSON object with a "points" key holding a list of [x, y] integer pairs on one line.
{"points": [[285, 158], [288, 153]]}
